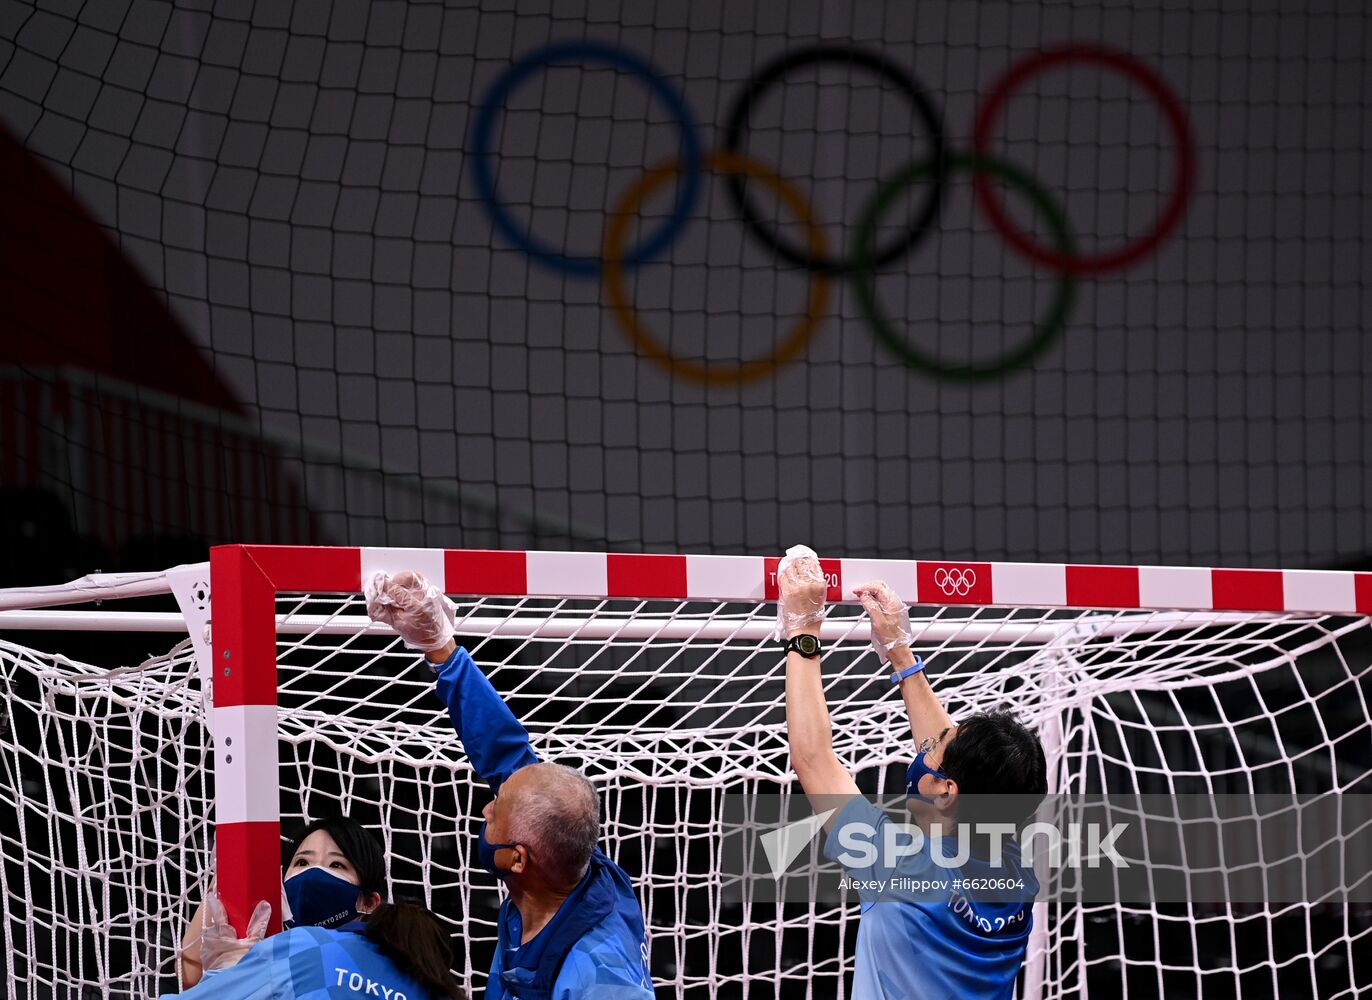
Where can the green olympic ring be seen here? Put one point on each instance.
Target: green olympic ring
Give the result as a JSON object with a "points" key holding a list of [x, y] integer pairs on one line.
{"points": [[864, 272]]}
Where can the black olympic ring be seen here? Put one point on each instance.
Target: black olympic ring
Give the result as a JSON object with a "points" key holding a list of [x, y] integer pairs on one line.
{"points": [[772, 74]]}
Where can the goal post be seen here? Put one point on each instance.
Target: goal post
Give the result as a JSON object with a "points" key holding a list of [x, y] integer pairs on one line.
{"points": [[246, 579], [657, 676]]}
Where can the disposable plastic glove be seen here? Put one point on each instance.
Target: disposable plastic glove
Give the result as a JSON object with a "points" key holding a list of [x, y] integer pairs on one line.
{"points": [[415, 608], [889, 614], [801, 584], [220, 945]]}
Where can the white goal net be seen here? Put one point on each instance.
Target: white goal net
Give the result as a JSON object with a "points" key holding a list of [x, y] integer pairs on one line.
{"points": [[668, 705]]}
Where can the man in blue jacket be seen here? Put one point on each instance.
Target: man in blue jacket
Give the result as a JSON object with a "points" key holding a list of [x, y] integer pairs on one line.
{"points": [[571, 927]]}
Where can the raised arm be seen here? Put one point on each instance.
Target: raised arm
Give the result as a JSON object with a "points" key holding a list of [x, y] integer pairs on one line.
{"points": [[800, 611], [496, 742], [891, 638]]}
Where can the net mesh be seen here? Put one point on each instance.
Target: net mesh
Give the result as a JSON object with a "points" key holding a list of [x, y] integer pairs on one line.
{"points": [[668, 707], [269, 210]]}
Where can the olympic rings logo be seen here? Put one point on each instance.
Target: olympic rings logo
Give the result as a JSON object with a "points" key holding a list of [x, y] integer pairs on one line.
{"points": [[955, 582], [865, 258]]}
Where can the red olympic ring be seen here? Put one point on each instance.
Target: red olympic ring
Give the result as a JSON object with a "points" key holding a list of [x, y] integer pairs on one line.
{"points": [[1172, 113]]}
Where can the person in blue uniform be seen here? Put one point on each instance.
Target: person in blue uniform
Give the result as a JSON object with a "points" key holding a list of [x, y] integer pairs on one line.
{"points": [[571, 927], [367, 957], [922, 935], [342, 940]]}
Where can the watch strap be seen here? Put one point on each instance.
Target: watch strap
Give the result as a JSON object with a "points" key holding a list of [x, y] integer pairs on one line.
{"points": [[793, 644]]}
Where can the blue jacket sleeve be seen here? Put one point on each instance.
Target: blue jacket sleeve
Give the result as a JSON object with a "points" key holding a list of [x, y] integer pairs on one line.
{"points": [[496, 743]]}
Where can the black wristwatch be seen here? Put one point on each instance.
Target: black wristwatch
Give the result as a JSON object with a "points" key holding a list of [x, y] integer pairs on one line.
{"points": [[805, 644]]}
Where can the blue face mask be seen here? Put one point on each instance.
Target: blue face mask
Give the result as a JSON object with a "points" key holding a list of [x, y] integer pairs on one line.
{"points": [[485, 854], [319, 898], [917, 770]]}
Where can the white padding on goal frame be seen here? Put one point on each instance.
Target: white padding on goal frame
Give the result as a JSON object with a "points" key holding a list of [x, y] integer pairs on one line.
{"points": [[244, 752]]}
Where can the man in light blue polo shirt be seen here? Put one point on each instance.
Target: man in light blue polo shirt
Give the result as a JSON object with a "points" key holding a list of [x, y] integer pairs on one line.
{"points": [[935, 924]]}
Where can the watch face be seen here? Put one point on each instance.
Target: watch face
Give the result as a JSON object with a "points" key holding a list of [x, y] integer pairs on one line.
{"points": [[807, 645]]}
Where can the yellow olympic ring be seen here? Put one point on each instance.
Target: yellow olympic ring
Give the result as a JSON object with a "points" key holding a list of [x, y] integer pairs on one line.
{"points": [[616, 232]]}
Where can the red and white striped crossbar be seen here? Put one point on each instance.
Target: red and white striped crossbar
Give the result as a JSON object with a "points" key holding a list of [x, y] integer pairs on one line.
{"points": [[244, 581]]}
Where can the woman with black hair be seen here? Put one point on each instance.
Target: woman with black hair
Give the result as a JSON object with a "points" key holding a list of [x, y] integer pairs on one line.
{"points": [[341, 940]]}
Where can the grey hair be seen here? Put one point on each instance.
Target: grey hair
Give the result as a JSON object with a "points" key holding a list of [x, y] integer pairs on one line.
{"points": [[558, 817]]}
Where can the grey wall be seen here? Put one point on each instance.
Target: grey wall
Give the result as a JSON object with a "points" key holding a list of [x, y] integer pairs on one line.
{"points": [[292, 178]]}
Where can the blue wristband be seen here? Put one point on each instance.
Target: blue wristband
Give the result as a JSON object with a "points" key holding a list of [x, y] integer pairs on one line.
{"points": [[909, 671]]}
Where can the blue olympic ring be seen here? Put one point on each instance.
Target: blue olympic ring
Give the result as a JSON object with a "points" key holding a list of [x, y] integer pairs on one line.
{"points": [[483, 149]]}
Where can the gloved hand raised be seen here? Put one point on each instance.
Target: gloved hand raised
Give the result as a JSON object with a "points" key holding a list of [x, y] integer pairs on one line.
{"points": [[801, 586], [220, 945], [889, 614], [415, 608]]}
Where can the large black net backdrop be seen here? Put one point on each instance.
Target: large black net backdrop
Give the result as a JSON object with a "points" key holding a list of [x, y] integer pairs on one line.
{"points": [[1048, 282]]}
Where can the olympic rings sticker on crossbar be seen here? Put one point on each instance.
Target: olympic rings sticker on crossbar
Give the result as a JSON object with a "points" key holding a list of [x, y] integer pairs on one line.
{"points": [[865, 258], [955, 582]]}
